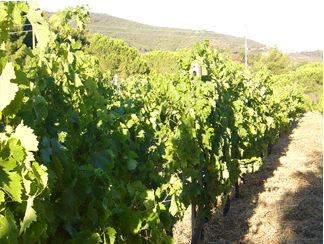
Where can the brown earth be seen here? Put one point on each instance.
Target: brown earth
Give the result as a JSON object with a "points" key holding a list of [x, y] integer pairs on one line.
{"points": [[282, 202]]}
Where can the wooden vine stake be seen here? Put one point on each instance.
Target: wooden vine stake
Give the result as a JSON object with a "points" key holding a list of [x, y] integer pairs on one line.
{"points": [[193, 219]]}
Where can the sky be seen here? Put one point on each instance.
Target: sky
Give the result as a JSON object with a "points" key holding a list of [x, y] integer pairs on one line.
{"points": [[292, 25]]}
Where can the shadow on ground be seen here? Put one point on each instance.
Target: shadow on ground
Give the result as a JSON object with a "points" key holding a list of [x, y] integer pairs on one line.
{"points": [[305, 218], [301, 222]]}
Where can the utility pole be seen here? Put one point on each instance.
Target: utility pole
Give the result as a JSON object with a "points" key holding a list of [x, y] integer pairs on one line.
{"points": [[33, 38], [246, 48]]}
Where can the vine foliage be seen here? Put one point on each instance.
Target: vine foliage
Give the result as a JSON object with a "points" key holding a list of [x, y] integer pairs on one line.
{"points": [[82, 164]]}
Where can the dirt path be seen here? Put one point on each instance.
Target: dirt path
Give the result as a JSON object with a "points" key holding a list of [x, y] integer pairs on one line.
{"points": [[282, 202]]}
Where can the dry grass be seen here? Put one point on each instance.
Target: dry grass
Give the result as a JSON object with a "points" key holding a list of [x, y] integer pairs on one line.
{"points": [[282, 202]]}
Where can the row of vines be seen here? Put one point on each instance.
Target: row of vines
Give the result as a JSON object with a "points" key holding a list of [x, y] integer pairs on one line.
{"points": [[82, 161]]}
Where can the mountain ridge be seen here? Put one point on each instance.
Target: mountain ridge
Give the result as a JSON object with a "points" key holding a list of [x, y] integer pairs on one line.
{"points": [[148, 37]]}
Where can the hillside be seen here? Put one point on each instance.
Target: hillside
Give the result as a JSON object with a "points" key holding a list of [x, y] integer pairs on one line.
{"points": [[314, 56], [147, 38]]}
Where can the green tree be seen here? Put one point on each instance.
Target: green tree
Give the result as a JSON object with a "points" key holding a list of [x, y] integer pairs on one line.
{"points": [[161, 62], [116, 56], [275, 61], [310, 73], [310, 78]]}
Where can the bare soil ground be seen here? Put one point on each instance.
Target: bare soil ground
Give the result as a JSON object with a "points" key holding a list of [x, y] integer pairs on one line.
{"points": [[282, 202]]}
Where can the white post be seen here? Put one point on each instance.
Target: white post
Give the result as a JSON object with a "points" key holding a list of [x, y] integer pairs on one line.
{"points": [[33, 37], [116, 83], [245, 49]]}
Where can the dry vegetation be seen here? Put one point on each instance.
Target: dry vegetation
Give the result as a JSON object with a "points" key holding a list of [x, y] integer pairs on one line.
{"points": [[281, 203]]}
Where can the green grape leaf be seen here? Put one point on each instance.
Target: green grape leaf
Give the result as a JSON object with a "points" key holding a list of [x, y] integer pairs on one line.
{"points": [[242, 132], [28, 51], [8, 164], [70, 57], [14, 104], [169, 240], [225, 173], [162, 206], [130, 123], [57, 19], [135, 222], [3, 11], [2, 197], [204, 71], [122, 134], [111, 232], [135, 186], [151, 218], [16, 14], [207, 137], [41, 111], [7, 89], [149, 198], [26, 136], [40, 175], [173, 206], [102, 160], [76, 44], [86, 237], [77, 80], [21, 78], [69, 228], [30, 186], [46, 153], [28, 140], [270, 122], [22, 6], [132, 154], [11, 184], [16, 151], [131, 164], [39, 25], [95, 238], [57, 148], [37, 228], [8, 228]]}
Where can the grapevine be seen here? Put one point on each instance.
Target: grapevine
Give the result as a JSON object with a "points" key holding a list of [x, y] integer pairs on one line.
{"points": [[82, 164]]}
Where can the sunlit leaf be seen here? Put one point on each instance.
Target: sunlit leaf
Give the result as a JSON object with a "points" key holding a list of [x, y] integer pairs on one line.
{"points": [[11, 184], [135, 222], [111, 232], [173, 206], [8, 228], [7, 89], [39, 25], [28, 140], [30, 215]]}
